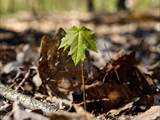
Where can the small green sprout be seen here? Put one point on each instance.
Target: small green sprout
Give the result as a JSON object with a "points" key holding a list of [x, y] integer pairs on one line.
{"points": [[78, 39]]}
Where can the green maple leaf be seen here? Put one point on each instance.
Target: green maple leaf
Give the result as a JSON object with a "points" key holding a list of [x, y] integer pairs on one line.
{"points": [[78, 39]]}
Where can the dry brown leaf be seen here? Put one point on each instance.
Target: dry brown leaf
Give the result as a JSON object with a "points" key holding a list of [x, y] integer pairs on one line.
{"points": [[21, 114]]}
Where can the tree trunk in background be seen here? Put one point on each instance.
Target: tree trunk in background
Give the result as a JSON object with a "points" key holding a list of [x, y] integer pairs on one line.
{"points": [[90, 6], [12, 8], [121, 5], [34, 7], [1, 9]]}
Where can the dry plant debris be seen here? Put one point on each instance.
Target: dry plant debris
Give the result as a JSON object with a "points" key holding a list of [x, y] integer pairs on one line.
{"points": [[119, 85]]}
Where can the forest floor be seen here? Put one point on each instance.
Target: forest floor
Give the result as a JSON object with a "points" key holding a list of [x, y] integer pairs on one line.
{"points": [[122, 79]]}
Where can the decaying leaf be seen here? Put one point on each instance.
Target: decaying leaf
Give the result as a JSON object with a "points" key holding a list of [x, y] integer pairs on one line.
{"points": [[21, 114], [7, 54], [121, 83], [48, 53]]}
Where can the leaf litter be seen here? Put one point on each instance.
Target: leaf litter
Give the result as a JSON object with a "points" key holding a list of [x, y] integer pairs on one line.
{"points": [[118, 85]]}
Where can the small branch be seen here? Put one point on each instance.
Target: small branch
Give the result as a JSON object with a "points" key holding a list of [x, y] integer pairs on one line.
{"points": [[51, 110], [27, 101], [24, 79]]}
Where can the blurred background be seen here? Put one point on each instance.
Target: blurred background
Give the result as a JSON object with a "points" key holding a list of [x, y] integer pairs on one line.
{"points": [[8, 7], [71, 10], [118, 24]]}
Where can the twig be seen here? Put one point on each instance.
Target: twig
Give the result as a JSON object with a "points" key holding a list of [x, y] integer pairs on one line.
{"points": [[27, 101], [24, 79], [50, 109]]}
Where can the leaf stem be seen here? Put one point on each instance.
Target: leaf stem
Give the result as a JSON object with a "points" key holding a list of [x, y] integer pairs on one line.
{"points": [[83, 87]]}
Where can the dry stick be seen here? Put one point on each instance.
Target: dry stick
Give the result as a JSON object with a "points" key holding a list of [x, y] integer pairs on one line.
{"points": [[24, 79], [27, 101], [32, 104], [83, 85]]}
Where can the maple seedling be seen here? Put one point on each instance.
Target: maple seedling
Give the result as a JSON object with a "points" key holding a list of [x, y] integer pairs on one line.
{"points": [[77, 40]]}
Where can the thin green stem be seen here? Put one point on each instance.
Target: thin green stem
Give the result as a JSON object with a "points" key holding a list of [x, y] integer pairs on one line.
{"points": [[83, 87]]}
